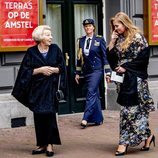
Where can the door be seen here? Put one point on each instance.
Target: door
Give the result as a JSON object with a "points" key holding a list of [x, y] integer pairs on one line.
{"points": [[65, 17]]}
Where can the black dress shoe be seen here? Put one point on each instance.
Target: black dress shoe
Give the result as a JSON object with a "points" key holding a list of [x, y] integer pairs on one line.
{"points": [[38, 151], [49, 153]]}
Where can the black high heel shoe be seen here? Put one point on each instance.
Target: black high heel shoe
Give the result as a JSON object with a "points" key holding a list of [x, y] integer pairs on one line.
{"points": [[144, 148], [120, 153]]}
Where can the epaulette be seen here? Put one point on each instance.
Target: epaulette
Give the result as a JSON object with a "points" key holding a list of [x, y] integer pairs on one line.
{"points": [[81, 37], [99, 36]]}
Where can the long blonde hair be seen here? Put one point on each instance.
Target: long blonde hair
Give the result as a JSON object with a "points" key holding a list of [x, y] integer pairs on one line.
{"points": [[130, 30]]}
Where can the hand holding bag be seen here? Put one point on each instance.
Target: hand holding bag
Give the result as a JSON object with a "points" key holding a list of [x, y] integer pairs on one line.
{"points": [[59, 93]]}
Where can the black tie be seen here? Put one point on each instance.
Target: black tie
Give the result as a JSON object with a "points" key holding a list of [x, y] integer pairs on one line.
{"points": [[88, 42]]}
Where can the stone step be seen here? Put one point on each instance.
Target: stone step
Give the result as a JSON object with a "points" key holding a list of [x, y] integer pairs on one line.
{"points": [[11, 109]]}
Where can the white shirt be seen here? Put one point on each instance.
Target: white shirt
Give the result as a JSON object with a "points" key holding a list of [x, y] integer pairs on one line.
{"points": [[86, 51]]}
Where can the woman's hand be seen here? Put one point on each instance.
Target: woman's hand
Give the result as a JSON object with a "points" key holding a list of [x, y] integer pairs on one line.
{"points": [[108, 78], [46, 70], [114, 37], [55, 69], [77, 77], [120, 69]]}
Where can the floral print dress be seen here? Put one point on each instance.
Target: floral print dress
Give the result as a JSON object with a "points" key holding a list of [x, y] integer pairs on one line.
{"points": [[134, 125]]}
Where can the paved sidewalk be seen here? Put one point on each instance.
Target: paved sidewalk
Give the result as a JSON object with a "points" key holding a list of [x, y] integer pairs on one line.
{"points": [[93, 142]]}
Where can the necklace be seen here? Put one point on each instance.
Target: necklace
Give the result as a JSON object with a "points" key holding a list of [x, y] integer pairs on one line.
{"points": [[43, 50]]}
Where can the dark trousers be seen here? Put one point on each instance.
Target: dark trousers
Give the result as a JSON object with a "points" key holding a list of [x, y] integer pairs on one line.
{"points": [[46, 129], [93, 111]]}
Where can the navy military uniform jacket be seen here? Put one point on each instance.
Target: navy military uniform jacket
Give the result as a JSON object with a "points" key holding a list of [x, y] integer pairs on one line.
{"points": [[96, 60]]}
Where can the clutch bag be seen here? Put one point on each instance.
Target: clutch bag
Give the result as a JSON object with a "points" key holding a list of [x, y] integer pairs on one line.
{"points": [[117, 77]]}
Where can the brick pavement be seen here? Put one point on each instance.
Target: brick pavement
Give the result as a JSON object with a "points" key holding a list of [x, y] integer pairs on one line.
{"points": [[94, 141]]}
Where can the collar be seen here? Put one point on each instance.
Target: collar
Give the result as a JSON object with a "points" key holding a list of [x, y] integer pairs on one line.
{"points": [[89, 37]]}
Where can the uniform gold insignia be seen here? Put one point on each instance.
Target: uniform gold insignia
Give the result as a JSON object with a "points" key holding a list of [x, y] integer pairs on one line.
{"points": [[86, 22], [99, 36], [96, 43], [79, 53]]}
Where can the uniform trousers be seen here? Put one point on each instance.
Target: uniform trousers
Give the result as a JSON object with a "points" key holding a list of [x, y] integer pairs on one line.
{"points": [[46, 129], [93, 112]]}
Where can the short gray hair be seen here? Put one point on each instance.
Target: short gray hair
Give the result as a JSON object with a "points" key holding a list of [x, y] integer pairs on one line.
{"points": [[37, 33]]}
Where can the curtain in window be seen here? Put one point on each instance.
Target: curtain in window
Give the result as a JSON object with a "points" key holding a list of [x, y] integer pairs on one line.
{"points": [[53, 19]]}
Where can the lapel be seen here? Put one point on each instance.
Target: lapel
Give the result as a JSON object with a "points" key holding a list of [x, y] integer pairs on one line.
{"points": [[82, 42], [92, 43]]}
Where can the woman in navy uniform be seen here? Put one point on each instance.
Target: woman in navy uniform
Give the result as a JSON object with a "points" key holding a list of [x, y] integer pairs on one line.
{"points": [[91, 59]]}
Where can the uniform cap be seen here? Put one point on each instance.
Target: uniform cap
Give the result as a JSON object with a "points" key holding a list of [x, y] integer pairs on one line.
{"points": [[88, 21]]}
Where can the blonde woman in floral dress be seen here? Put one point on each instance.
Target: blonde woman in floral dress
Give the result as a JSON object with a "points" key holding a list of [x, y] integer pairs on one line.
{"points": [[128, 53]]}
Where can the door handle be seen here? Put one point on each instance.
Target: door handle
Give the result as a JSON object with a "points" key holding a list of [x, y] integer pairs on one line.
{"points": [[67, 59]]}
